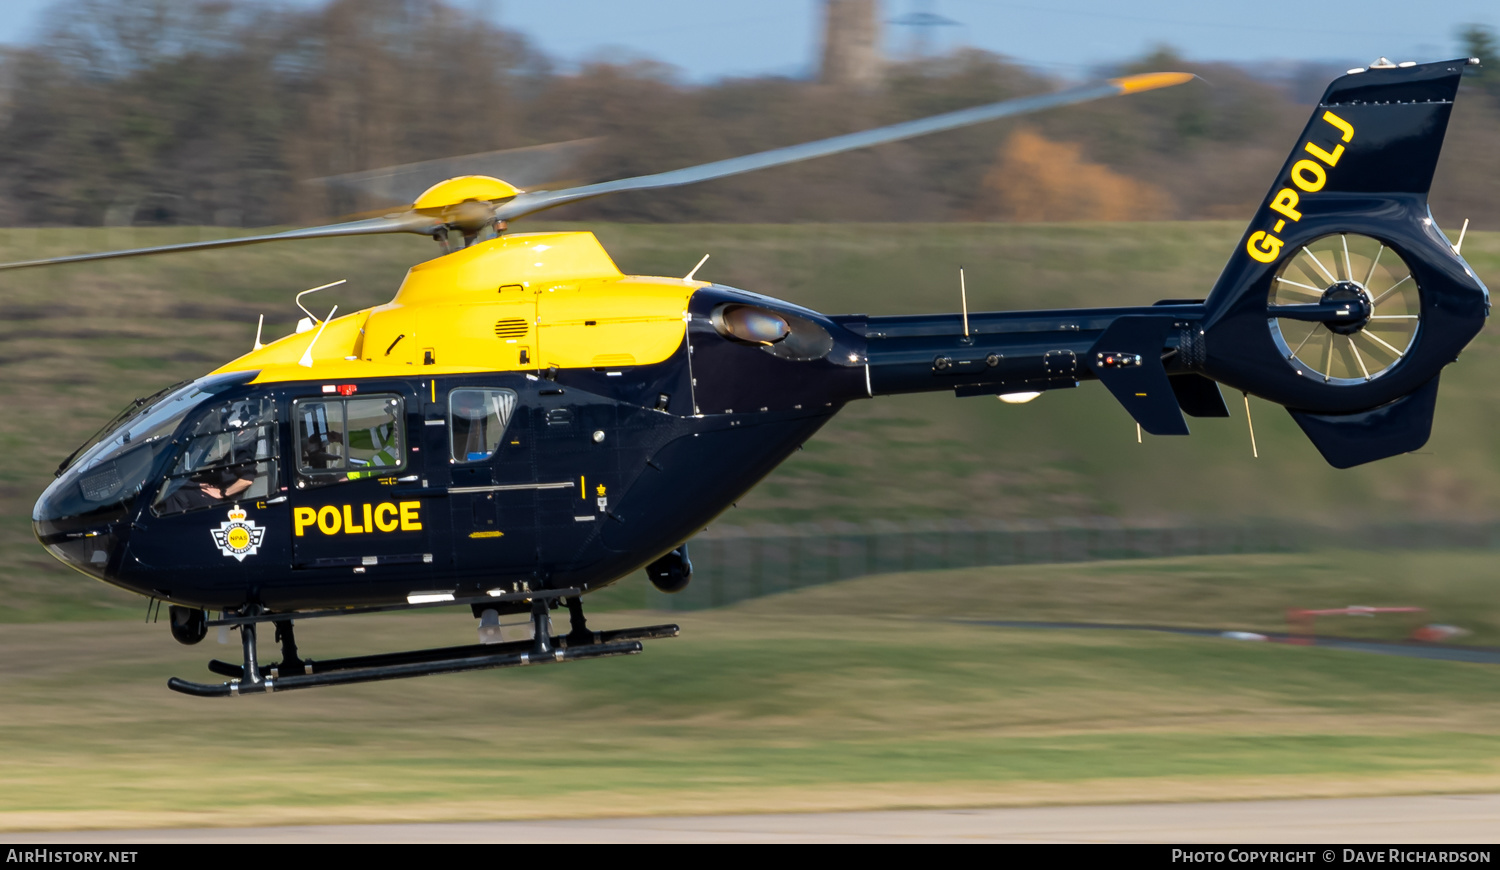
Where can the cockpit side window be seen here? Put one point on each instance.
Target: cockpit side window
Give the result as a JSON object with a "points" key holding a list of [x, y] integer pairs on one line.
{"points": [[477, 421], [228, 455], [348, 439]]}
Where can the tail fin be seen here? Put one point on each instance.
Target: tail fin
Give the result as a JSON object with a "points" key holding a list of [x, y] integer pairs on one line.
{"points": [[1343, 300]]}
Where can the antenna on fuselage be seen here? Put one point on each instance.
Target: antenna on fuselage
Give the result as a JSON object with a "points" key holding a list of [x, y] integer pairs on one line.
{"points": [[1254, 451], [307, 322], [307, 359], [258, 327], [689, 276], [963, 298]]}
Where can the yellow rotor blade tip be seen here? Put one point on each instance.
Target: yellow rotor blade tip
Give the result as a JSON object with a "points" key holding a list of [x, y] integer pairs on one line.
{"points": [[1150, 81]]}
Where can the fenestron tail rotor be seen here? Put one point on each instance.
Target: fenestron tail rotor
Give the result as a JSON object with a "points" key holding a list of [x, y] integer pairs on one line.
{"points": [[474, 203], [1344, 309]]}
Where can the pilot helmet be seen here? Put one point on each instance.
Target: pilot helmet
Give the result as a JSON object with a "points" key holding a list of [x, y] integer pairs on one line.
{"points": [[240, 414]]}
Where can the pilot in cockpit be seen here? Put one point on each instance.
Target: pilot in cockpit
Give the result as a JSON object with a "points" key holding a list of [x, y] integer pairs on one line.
{"points": [[322, 450], [220, 479], [225, 461]]}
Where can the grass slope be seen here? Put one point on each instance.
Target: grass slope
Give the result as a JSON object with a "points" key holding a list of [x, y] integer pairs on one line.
{"points": [[834, 698]]}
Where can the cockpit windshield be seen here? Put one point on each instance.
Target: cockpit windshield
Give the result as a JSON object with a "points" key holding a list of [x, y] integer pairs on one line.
{"points": [[147, 421], [118, 464], [130, 412]]}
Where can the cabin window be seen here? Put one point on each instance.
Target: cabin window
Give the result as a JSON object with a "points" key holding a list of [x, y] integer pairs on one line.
{"points": [[349, 439], [477, 421], [227, 455]]}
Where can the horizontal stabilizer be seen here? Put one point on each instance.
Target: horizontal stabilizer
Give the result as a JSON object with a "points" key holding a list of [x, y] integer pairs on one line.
{"points": [[1347, 440], [1127, 360], [1198, 396]]}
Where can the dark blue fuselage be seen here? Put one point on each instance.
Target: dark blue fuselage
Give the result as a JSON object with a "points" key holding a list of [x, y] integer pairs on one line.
{"points": [[599, 471]]}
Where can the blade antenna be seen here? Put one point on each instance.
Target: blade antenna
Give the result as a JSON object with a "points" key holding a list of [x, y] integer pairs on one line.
{"points": [[1254, 451], [689, 276], [258, 328], [1458, 245], [963, 297], [307, 357]]}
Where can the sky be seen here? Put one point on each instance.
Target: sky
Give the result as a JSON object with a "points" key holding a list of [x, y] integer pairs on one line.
{"points": [[712, 40]]}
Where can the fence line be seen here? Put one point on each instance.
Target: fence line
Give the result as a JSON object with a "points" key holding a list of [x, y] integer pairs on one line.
{"points": [[736, 563]]}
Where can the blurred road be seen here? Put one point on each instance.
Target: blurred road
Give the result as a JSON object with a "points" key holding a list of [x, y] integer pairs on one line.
{"points": [[1428, 819], [1408, 649]]}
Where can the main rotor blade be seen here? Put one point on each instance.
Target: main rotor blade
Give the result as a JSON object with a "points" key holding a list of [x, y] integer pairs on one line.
{"points": [[406, 223], [528, 203]]}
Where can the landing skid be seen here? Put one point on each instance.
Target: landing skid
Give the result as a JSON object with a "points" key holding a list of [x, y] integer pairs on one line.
{"points": [[293, 672]]}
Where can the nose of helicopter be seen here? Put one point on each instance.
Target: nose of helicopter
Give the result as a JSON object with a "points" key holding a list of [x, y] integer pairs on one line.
{"points": [[84, 543]]}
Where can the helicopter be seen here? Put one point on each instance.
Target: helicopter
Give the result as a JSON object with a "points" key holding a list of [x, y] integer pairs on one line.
{"points": [[523, 424]]}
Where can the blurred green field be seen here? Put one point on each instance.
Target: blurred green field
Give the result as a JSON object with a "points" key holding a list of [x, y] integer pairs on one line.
{"points": [[859, 695], [78, 342]]}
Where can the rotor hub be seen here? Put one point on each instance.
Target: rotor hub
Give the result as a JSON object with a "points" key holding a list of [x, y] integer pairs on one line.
{"points": [[1356, 298]]}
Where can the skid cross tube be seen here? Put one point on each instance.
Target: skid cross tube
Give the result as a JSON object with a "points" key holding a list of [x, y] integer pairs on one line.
{"points": [[525, 595]]}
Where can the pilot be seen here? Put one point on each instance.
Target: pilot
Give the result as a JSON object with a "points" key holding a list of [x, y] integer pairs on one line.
{"points": [[212, 486], [323, 450]]}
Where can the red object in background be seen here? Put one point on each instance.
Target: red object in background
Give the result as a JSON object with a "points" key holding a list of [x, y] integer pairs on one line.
{"points": [[1437, 633], [1300, 622]]}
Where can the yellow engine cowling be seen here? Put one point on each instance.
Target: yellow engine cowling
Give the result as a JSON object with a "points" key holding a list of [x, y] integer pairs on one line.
{"points": [[516, 303]]}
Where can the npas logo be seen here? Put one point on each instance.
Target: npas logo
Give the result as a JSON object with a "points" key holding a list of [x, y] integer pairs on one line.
{"points": [[238, 536]]}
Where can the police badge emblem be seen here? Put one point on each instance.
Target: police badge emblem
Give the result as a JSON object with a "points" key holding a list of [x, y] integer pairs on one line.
{"points": [[238, 536]]}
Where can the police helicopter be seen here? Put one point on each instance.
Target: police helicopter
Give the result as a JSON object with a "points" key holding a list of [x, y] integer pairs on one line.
{"points": [[523, 424]]}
